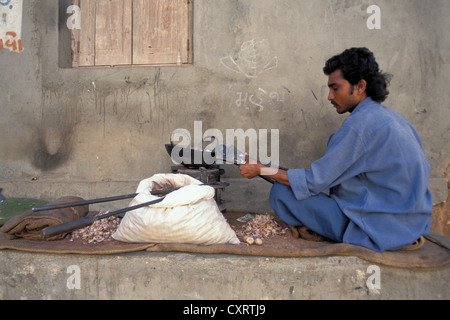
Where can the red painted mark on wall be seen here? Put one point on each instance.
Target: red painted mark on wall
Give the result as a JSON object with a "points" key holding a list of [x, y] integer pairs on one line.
{"points": [[10, 41], [11, 25]]}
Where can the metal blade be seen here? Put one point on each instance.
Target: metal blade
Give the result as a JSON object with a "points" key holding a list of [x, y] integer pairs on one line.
{"points": [[229, 154]]}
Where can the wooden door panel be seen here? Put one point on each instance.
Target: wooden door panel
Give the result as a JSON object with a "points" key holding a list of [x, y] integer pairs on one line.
{"points": [[160, 31]]}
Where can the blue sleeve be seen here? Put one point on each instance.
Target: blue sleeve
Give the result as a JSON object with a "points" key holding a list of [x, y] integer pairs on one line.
{"points": [[341, 160]]}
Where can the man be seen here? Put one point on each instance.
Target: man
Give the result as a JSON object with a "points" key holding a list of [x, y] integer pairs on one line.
{"points": [[374, 168]]}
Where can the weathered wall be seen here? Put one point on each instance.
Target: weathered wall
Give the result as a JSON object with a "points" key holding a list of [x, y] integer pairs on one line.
{"points": [[180, 276], [97, 132]]}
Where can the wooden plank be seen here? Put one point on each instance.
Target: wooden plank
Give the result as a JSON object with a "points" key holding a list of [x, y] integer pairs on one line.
{"points": [[86, 57], [184, 41], [190, 32], [160, 31], [113, 32]]}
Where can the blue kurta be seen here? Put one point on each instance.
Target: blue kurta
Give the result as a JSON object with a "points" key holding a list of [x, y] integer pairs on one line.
{"points": [[376, 171]]}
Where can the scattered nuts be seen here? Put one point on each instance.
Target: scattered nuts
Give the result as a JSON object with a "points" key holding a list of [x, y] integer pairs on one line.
{"points": [[261, 227], [101, 230], [249, 240]]}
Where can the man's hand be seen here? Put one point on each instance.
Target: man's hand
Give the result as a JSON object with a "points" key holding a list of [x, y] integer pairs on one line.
{"points": [[252, 169]]}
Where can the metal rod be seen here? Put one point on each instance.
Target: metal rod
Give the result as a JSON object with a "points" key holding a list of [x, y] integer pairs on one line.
{"points": [[83, 203], [67, 227], [115, 198]]}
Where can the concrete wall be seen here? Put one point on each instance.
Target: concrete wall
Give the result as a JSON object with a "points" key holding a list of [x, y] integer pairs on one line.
{"points": [[98, 132], [187, 276]]}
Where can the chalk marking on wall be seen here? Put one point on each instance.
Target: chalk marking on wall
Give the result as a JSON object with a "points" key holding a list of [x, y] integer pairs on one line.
{"points": [[254, 59], [11, 25], [261, 99]]}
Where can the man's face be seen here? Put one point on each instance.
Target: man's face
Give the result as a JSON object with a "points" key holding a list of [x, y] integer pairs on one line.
{"points": [[343, 96]]}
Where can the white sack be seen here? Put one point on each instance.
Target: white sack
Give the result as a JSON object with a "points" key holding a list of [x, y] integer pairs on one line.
{"points": [[187, 215]]}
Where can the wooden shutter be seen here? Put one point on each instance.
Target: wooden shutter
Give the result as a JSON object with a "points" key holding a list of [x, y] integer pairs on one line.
{"points": [[126, 32], [113, 32], [86, 35], [106, 35], [160, 31]]}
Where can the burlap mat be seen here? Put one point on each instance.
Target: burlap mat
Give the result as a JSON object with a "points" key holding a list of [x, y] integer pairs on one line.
{"points": [[433, 255], [29, 224]]}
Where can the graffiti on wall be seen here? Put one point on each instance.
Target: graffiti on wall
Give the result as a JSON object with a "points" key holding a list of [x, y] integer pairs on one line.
{"points": [[11, 25], [254, 59]]}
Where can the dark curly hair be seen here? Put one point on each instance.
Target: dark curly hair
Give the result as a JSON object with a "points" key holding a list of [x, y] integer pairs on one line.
{"points": [[357, 64]]}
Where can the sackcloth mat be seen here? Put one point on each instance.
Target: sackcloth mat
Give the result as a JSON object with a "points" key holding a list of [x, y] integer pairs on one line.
{"points": [[29, 224], [433, 255]]}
